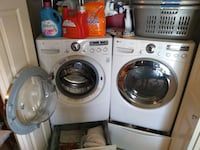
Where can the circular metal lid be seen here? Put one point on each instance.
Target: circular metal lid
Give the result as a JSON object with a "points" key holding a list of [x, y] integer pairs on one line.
{"points": [[158, 2]]}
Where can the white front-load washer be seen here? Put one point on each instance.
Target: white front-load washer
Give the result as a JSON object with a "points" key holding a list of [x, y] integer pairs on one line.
{"points": [[148, 79], [81, 72]]}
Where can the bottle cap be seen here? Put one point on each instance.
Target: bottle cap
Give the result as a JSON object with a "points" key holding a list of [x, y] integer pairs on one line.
{"points": [[47, 4], [82, 9]]}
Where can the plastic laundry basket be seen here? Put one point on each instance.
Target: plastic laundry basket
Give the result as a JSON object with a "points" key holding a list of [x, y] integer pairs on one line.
{"points": [[174, 20]]}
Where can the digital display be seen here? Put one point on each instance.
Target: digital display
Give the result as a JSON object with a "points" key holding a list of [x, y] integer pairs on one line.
{"points": [[98, 43], [177, 48], [184, 48]]}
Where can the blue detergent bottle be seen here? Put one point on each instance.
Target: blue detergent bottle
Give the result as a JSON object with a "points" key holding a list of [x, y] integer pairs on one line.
{"points": [[51, 21]]}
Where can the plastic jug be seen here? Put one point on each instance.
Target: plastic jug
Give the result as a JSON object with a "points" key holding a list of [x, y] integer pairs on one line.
{"points": [[50, 21], [96, 18], [75, 23]]}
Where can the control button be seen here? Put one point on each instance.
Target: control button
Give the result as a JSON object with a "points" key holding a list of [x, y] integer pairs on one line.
{"points": [[184, 55], [98, 50], [159, 53], [168, 54], [105, 49], [92, 50], [176, 55], [150, 48], [66, 51]]}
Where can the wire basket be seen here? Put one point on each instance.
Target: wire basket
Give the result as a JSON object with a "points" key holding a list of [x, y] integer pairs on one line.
{"points": [[166, 21]]}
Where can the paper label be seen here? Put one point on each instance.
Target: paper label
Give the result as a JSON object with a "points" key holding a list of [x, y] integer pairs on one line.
{"points": [[49, 28], [93, 20], [68, 23]]}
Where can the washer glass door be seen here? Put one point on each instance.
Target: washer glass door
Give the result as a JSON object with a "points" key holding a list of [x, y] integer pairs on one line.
{"points": [[32, 100], [147, 83]]}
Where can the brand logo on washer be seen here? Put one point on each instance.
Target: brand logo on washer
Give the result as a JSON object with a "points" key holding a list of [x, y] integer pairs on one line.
{"points": [[75, 46]]}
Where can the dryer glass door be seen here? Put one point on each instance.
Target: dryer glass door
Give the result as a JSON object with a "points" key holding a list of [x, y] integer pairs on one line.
{"points": [[32, 100], [147, 83], [77, 79]]}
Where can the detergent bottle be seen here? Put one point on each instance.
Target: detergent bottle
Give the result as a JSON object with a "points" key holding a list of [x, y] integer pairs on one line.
{"points": [[50, 21], [75, 23], [83, 16], [96, 18]]}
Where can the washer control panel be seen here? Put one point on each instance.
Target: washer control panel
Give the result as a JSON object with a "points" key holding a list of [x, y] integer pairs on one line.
{"points": [[88, 46], [100, 46]]}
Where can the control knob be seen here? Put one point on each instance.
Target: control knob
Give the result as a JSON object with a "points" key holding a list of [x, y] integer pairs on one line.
{"points": [[75, 46], [150, 48]]}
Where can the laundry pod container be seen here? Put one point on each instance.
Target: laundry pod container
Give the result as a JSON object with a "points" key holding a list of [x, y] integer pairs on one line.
{"points": [[173, 19]]}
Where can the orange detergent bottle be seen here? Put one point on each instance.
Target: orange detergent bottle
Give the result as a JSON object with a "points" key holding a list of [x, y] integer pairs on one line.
{"points": [[75, 23], [96, 18]]}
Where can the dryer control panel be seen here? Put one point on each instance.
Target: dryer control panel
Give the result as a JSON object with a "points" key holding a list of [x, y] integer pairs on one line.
{"points": [[170, 50], [175, 51]]}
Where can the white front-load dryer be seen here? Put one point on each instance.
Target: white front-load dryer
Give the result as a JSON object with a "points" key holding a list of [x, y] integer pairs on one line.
{"points": [[148, 79], [80, 70]]}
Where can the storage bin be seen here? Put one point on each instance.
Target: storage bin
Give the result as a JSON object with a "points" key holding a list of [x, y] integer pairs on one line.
{"points": [[166, 19], [180, 2], [128, 138], [77, 131]]}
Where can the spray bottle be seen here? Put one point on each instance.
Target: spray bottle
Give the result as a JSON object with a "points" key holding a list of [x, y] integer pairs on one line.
{"points": [[128, 22]]}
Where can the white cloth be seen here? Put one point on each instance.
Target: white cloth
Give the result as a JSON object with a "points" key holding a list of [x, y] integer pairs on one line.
{"points": [[95, 137]]}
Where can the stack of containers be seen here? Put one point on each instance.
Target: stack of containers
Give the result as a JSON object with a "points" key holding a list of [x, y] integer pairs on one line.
{"points": [[79, 19], [174, 19], [86, 20]]}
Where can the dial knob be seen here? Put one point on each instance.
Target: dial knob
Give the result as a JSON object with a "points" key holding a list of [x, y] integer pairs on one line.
{"points": [[150, 48], [75, 46]]}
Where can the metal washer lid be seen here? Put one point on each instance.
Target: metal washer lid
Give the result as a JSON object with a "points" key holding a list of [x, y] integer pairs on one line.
{"points": [[159, 2]]}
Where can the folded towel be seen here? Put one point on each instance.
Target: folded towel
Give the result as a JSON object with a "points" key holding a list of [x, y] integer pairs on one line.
{"points": [[95, 137]]}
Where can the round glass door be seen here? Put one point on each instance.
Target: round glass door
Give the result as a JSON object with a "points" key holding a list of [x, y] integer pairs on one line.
{"points": [[77, 79], [147, 83], [32, 100]]}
